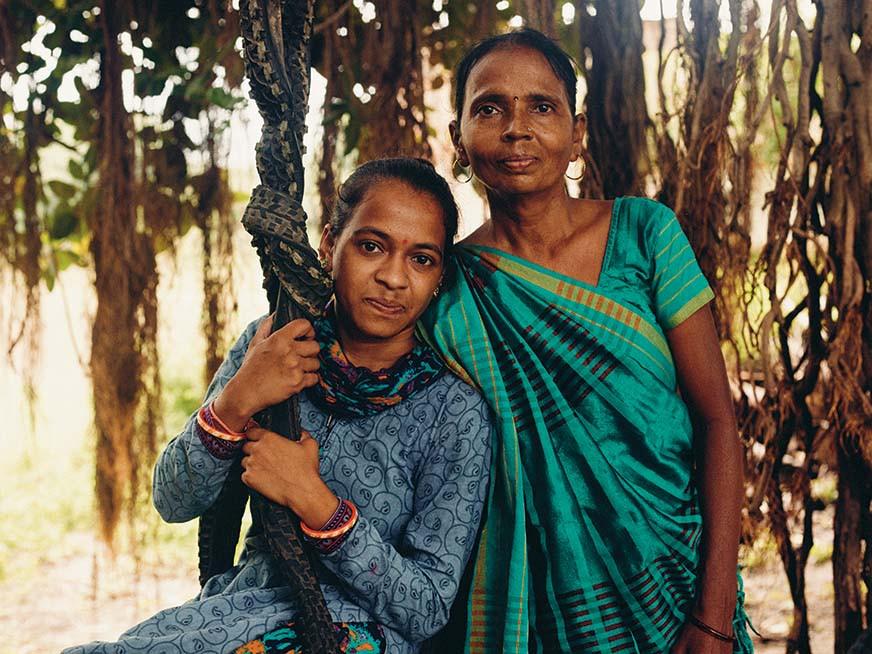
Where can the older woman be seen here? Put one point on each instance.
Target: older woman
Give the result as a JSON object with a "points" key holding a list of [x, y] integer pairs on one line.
{"points": [[613, 524]]}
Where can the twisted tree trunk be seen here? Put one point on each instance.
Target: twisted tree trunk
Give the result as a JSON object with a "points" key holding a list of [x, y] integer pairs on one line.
{"points": [[615, 103], [394, 121]]}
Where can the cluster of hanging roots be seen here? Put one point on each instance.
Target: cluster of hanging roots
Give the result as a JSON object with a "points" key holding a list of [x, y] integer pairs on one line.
{"points": [[784, 235]]}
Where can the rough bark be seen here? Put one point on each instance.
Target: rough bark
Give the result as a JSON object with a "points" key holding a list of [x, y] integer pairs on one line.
{"points": [[394, 121], [615, 103]]}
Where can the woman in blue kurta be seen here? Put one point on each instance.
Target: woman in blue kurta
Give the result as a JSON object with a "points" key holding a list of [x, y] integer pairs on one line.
{"points": [[390, 478], [612, 525]]}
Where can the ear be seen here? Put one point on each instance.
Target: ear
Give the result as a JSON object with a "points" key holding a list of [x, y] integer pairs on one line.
{"points": [[326, 247], [579, 126], [459, 150]]}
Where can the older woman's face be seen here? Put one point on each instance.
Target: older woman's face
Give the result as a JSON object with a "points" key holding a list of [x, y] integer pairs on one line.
{"points": [[517, 130]]}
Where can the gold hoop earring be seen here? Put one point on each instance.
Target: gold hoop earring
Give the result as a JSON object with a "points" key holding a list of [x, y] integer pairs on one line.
{"points": [[463, 169], [583, 171]]}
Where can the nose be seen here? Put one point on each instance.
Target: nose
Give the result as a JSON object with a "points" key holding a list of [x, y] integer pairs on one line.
{"points": [[392, 273], [517, 126]]}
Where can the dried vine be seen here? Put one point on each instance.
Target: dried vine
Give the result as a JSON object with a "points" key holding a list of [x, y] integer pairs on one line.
{"points": [[216, 222]]}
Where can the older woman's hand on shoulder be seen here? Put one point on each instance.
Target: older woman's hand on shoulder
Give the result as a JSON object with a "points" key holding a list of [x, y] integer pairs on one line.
{"points": [[276, 366]]}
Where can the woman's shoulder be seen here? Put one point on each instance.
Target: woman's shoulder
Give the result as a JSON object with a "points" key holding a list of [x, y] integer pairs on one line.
{"points": [[642, 218], [644, 210]]}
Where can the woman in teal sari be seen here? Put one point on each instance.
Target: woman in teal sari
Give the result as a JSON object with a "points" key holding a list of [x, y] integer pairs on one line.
{"points": [[613, 517]]}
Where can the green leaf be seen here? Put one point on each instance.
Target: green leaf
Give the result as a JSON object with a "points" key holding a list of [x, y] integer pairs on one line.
{"points": [[220, 97], [67, 258], [49, 279], [352, 132], [62, 190], [77, 170], [63, 223]]}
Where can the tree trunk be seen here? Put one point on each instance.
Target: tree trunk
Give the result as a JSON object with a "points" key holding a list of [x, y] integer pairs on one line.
{"points": [[847, 556], [615, 102], [330, 126], [847, 122], [539, 14], [395, 121]]}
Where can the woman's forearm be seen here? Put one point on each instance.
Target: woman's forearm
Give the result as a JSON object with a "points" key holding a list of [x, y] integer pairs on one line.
{"points": [[719, 477]]}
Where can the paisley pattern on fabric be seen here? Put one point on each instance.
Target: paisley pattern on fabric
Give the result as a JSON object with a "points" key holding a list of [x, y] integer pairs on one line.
{"points": [[353, 637], [417, 473], [348, 391]]}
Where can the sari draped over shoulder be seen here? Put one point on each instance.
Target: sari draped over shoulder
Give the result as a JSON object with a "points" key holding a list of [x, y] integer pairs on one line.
{"points": [[591, 541]]}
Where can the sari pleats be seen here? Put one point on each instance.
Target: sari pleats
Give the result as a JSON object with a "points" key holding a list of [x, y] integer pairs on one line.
{"points": [[592, 534]]}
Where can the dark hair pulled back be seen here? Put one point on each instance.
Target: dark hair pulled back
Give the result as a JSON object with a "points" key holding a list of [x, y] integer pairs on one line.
{"points": [[418, 174], [561, 63]]}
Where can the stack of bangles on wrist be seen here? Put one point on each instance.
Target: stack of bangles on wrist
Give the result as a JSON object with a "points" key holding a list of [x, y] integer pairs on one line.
{"points": [[212, 424], [711, 631], [334, 531], [218, 439]]}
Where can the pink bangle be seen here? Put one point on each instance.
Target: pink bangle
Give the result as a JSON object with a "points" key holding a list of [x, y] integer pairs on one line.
{"points": [[223, 425]]}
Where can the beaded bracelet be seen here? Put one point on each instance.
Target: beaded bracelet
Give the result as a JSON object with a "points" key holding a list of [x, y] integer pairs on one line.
{"points": [[711, 631]]}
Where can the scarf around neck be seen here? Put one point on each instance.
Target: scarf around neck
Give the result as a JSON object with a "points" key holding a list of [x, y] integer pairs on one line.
{"points": [[348, 391]]}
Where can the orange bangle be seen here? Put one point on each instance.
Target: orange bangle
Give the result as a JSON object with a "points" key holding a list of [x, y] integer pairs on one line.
{"points": [[333, 533], [224, 434], [223, 425]]}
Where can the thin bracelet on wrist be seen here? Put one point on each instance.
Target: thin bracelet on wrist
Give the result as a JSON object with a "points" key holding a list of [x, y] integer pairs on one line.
{"points": [[708, 629]]}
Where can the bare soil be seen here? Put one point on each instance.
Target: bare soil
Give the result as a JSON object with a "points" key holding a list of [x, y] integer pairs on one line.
{"points": [[82, 597]]}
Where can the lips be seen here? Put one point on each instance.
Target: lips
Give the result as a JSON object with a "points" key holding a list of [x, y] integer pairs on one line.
{"points": [[517, 162], [384, 306]]}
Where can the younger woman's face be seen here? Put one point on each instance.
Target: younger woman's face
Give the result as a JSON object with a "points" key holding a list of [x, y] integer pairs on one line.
{"points": [[516, 128], [387, 261]]}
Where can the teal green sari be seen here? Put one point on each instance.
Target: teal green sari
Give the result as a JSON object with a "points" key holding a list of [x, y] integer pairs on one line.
{"points": [[591, 539]]}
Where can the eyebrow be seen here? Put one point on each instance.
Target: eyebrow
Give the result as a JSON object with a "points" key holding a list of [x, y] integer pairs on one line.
{"points": [[502, 97], [385, 237]]}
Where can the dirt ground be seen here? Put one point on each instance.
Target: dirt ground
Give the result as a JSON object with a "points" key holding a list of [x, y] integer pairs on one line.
{"points": [[75, 601]]}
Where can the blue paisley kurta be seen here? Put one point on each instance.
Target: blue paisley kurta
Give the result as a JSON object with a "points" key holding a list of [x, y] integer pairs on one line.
{"points": [[417, 472]]}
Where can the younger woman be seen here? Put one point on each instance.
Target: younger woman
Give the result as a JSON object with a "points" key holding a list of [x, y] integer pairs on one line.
{"points": [[389, 481]]}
